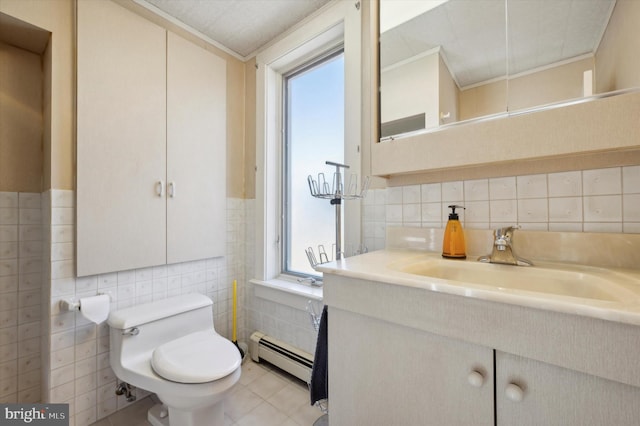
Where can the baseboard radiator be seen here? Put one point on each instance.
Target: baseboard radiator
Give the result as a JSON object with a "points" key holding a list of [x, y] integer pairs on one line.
{"points": [[290, 359]]}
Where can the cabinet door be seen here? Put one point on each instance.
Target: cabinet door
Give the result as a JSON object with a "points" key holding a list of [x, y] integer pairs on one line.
{"points": [[196, 149], [387, 374], [545, 394], [121, 139]]}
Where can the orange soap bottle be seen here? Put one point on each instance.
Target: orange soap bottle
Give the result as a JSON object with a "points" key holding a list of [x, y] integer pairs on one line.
{"points": [[453, 246]]}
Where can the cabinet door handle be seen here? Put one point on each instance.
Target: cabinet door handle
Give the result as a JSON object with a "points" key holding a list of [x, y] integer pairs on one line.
{"points": [[172, 189], [514, 392], [160, 188], [476, 379]]}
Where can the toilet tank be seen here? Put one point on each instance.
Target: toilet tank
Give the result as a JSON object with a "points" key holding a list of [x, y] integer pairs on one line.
{"points": [[157, 323]]}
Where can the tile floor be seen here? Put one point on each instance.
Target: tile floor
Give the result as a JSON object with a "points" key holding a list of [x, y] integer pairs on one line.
{"points": [[265, 396]]}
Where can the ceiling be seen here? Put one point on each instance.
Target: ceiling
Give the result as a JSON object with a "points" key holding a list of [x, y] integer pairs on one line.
{"points": [[472, 35], [242, 26]]}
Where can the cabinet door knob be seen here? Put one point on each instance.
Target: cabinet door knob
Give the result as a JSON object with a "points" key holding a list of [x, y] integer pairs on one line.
{"points": [[476, 379], [172, 189], [160, 188], [514, 392]]}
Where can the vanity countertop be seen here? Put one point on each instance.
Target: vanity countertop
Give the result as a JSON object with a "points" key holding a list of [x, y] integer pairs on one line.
{"points": [[616, 294]]}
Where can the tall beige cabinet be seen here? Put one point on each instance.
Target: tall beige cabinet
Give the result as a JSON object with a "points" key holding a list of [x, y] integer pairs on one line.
{"points": [[196, 173], [151, 137]]}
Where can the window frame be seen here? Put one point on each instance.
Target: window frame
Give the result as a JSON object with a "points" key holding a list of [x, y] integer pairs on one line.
{"points": [[322, 57], [336, 23]]}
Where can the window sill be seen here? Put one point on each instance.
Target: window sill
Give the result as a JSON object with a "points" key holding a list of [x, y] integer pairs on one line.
{"points": [[281, 291]]}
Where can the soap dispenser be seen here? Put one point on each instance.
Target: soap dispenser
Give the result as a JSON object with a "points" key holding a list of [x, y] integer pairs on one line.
{"points": [[453, 245]]}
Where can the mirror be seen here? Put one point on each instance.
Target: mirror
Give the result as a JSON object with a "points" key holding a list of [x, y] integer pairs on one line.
{"points": [[435, 64], [442, 62]]}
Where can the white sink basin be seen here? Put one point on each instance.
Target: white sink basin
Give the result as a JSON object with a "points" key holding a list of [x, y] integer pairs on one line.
{"points": [[554, 279]]}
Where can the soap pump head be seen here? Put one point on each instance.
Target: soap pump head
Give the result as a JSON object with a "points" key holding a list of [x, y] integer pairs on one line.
{"points": [[453, 215]]}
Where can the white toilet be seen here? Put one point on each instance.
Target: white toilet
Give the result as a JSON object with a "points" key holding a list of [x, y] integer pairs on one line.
{"points": [[171, 348]]}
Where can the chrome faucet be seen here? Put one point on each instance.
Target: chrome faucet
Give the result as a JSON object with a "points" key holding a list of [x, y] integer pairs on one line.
{"points": [[503, 249]]}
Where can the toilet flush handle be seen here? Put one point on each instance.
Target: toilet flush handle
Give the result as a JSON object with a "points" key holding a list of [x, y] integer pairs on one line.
{"points": [[131, 332]]}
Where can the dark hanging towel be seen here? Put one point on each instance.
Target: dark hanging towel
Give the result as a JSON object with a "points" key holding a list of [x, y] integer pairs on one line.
{"points": [[319, 386]]}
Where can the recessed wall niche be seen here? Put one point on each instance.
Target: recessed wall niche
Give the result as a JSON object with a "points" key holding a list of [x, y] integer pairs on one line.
{"points": [[22, 104], [25, 64]]}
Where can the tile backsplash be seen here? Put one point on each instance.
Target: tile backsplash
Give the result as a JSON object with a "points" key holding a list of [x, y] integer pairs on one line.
{"points": [[599, 200]]}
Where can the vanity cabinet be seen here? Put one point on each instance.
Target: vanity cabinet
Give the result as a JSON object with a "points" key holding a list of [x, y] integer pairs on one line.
{"points": [[402, 353], [151, 139], [530, 392], [390, 374], [394, 375]]}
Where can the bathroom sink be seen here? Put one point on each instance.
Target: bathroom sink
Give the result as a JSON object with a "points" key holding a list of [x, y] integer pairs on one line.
{"points": [[552, 279]]}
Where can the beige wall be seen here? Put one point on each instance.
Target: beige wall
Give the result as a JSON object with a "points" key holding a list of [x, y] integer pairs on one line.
{"points": [[483, 100], [56, 17], [548, 86], [21, 123], [235, 129], [617, 59], [250, 129], [556, 84]]}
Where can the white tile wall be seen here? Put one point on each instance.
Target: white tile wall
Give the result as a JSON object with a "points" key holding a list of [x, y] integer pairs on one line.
{"points": [[375, 213], [283, 321], [21, 251], [602, 181], [78, 371], [599, 200]]}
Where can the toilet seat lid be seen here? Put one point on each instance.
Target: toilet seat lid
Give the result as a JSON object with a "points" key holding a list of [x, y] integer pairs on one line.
{"points": [[199, 357]]}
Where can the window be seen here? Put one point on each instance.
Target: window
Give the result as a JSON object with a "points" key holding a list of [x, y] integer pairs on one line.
{"points": [[338, 24], [313, 133]]}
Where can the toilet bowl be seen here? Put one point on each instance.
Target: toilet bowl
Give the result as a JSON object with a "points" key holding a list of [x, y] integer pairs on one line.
{"points": [[170, 348]]}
